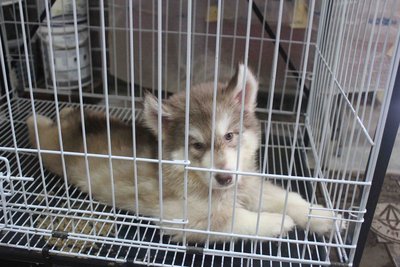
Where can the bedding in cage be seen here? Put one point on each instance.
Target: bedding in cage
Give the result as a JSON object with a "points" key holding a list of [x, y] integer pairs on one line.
{"points": [[324, 69]]}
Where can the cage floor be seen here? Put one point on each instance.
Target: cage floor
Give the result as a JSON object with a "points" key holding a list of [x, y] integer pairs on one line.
{"points": [[39, 217]]}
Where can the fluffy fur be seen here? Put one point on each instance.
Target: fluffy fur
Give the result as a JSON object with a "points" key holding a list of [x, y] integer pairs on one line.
{"points": [[242, 87]]}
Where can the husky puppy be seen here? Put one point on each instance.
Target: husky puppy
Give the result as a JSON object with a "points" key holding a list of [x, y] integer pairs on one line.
{"points": [[226, 143]]}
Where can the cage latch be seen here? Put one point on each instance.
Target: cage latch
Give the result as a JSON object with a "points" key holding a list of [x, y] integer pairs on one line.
{"points": [[5, 176]]}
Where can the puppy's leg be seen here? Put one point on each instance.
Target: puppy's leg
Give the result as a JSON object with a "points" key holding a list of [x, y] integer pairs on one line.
{"points": [[297, 208], [269, 225], [245, 222]]}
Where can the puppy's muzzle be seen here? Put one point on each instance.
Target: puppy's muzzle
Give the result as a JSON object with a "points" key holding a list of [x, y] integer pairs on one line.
{"points": [[224, 179]]}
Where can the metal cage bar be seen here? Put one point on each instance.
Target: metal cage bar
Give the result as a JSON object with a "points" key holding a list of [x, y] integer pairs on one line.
{"points": [[318, 112]]}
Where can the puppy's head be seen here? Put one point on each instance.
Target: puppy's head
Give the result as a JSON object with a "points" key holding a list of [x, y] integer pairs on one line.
{"points": [[214, 138]]}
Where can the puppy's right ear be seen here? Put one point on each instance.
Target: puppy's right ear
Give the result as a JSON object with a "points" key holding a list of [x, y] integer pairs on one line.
{"points": [[235, 88], [150, 113]]}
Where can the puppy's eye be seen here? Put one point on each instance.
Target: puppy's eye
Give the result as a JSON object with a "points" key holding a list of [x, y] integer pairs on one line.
{"points": [[198, 146], [228, 136]]}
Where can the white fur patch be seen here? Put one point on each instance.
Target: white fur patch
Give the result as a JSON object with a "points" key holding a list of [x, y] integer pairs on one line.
{"points": [[206, 160], [178, 154], [230, 159], [223, 124], [250, 145]]}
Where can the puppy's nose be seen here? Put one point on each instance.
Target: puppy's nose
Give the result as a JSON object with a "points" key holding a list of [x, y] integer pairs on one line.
{"points": [[223, 179]]}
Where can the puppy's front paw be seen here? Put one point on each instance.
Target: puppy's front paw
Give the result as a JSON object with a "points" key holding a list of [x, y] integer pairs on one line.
{"points": [[324, 224], [273, 226], [288, 225]]}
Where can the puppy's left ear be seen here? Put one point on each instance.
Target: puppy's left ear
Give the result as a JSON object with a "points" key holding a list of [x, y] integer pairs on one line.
{"points": [[236, 88], [150, 113]]}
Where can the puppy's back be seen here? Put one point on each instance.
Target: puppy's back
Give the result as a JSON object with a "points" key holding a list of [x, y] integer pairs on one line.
{"points": [[97, 140]]}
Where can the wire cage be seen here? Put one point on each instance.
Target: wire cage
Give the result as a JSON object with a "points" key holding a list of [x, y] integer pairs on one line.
{"points": [[325, 70]]}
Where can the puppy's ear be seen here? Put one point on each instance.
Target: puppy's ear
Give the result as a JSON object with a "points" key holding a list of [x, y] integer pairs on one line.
{"points": [[150, 113], [236, 88]]}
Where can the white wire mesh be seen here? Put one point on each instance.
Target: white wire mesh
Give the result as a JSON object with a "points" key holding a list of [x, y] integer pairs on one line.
{"points": [[318, 120]]}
